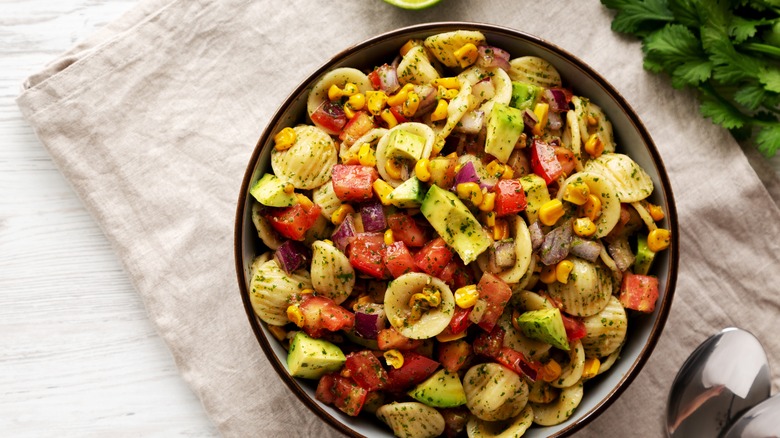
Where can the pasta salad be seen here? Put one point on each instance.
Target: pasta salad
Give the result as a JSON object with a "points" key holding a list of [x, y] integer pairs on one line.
{"points": [[455, 244]]}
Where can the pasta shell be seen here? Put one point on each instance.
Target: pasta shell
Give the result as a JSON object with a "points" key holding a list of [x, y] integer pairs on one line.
{"points": [[572, 138], [331, 273], [338, 77], [605, 331], [416, 68], [630, 181], [397, 296], [534, 70], [571, 373], [560, 410], [444, 45], [542, 392], [420, 129], [457, 108], [412, 419], [500, 81], [325, 197], [264, 230], [523, 252], [513, 428], [493, 392], [603, 188], [371, 137], [533, 301], [271, 288], [516, 340], [588, 290], [308, 163]]}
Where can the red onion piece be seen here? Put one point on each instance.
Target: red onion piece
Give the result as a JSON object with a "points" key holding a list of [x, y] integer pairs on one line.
{"points": [[554, 121], [471, 122], [502, 255], [427, 94], [537, 236], [529, 120], [483, 90], [388, 78], [291, 255], [556, 244], [373, 216], [344, 234], [369, 320], [620, 251], [585, 249], [557, 99], [467, 173], [490, 56]]}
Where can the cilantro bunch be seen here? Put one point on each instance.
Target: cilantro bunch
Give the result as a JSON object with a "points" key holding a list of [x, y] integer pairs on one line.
{"points": [[728, 50]]}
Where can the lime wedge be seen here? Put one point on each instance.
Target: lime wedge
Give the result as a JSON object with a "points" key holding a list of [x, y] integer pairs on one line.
{"points": [[413, 4]]}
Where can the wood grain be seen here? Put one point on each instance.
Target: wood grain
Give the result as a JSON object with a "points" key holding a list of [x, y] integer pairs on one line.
{"points": [[78, 355]]}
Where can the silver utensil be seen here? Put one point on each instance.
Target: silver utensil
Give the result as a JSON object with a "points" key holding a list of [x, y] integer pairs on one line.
{"points": [[761, 421], [722, 379]]}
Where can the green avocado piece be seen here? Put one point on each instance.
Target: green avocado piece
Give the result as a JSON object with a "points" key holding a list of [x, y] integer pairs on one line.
{"points": [[536, 195], [504, 128], [406, 145], [544, 325], [455, 223], [644, 257], [312, 358], [524, 95], [269, 191], [442, 390], [409, 194]]}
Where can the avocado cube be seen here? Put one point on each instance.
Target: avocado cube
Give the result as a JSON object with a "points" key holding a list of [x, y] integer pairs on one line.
{"points": [[442, 390], [409, 194], [311, 358], [405, 145], [269, 191], [524, 95], [504, 128], [544, 325], [644, 256]]}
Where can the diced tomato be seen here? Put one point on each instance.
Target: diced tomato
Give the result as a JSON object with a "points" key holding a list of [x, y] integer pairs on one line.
{"points": [[544, 162], [415, 369], [433, 257], [352, 182], [396, 111], [566, 158], [321, 314], [455, 420], [293, 222], [349, 397], [366, 253], [330, 117], [358, 125], [456, 274], [406, 230], [639, 292], [489, 344], [460, 320], [366, 370], [324, 392], [496, 294], [391, 339], [575, 328], [399, 260], [454, 355], [510, 197], [373, 77], [517, 362]]}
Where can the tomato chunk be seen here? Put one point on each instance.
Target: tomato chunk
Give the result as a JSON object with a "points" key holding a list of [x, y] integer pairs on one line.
{"points": [[352, 182], [639, 292], [455, 420], [405, 229], [415, 369], [399, 260], [566, 158], [366, 253], [489, 344], [460, 320], [496, 294], [358, 125], [391, 339], [349, 397], [544, 162], [324, 392], [366, 370], [517, 362], [433, 257], [510, 197], [293, 222], [575, 328], [321, 314], [454, 355], [456, 274], [330, 117]]}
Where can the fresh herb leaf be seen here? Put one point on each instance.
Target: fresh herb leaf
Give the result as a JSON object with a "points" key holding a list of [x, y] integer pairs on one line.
{"points": [[638, 15], [770, 79], [768, 139]]}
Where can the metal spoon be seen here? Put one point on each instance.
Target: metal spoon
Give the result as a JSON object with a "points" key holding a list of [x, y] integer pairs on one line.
{"points": [[759, 422], [722, 379]]}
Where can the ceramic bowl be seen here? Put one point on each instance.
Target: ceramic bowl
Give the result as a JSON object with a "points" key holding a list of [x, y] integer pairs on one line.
{"points": [[631, 137]]}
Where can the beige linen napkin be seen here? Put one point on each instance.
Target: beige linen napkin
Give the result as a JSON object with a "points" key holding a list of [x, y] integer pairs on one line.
{"points": [[154, 118]]}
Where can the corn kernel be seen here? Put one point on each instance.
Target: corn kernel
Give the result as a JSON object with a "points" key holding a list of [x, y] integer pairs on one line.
{"points": [[422, 171], [438, 145], [490, 219], [399, 97], [393, 168], [466, 55], [540, 110], [495, 168], [470, 191], [440, 113], [289, 188], [594, 146], [592, 207], [366, 155], [562, 271], [592, 120], [389, 118], [376, 101], [584, 227], [304, 201], [508, 172], [658, 239], [547, 276], [334, 92], [341, 213], [500, 230], [388, 237], [551, 371], [410, 105], [446, 93], [306, 291], [488, 202], [591, 369], [466, 296], [352, 159], [295, 315], [551, 211], [364, 299], [284, 139], [451, 82], [656, 212], [447, 336], [382, 190], [350, 89], [278, 332], [394, 358], [348, 112], [328, 241], [357, 101], [576, 192]]}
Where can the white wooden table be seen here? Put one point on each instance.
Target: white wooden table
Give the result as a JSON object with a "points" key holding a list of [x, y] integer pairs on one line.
{"points": [[78, 355]]}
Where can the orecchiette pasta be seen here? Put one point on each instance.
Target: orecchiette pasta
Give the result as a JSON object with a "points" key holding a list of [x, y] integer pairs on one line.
{"points": [[271, 288], [338, 77], [412, 420], [559, 410], [331, 273], [308, 163], [604, 190], [534, 70], [325, 197], [523, 252], [572, 371], [587, 291], [630, 181], [264, 230], [398, 310], [513, 428], [382, 152], [606, 330], [493, 392], [444, 45], [415, 67], [516, 340]]}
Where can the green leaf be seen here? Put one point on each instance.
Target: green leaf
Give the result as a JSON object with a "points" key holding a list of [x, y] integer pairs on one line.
{"points": [[750, 96], [742, 29], [686, 12], [691, 73], [721, 113], [729, 66], [770, 78], [768, 139], [672, 46], [638, 16]]}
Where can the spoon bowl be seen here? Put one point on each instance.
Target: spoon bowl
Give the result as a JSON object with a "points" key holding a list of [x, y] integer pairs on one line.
{"points": [[759, 422], [722, 379]]}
